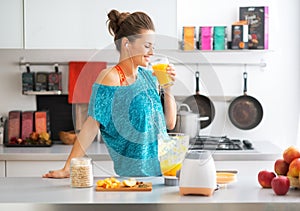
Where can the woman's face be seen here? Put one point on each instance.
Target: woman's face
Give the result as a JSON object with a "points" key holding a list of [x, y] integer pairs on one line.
{"points": [[141, 49]]}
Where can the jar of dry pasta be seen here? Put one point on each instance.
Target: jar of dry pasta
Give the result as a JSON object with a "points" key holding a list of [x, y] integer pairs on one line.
{"points": [[81, 172]]}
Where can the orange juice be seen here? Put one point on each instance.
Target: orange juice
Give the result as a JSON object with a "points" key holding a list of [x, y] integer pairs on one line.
{"points": [[162, 76], [171, 152], [171, 170]]}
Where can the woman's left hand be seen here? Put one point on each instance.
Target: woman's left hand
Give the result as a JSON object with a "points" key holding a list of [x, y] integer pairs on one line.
{"points": [[171, 71]]}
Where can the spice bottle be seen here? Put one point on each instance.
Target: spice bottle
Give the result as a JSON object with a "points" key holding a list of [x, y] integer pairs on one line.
{"points": [[81, 172]]}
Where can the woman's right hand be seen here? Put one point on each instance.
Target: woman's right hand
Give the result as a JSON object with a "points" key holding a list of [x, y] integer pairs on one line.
{"points": [[61, 173]]}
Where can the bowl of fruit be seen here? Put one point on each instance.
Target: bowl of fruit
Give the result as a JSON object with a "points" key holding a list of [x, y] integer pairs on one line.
{"points": [[286, 173], [289, 165]]}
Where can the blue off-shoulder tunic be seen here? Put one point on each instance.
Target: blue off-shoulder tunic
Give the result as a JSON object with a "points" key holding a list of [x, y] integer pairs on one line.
{"points": [[130, 119]]}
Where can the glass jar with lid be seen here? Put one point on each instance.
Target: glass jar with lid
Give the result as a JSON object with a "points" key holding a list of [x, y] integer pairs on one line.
{"points": [[81, 172]]}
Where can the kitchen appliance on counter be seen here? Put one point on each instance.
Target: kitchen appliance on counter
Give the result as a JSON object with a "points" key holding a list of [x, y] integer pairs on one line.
{"points": [[198, 174], [219, 143]]}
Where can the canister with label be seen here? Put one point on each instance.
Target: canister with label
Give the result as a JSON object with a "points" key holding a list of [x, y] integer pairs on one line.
{"points": [[220, 38], [14, 125], [27, 124], [41, 82], [55, 80], [41, 121], [240, 35], [205, 38], [188, 38], [28, 80]]}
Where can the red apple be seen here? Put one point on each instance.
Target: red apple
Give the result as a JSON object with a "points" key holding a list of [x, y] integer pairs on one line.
{"points": [[294, 168], [290, 154], [280, 185], [265, 177], [281, 167]]}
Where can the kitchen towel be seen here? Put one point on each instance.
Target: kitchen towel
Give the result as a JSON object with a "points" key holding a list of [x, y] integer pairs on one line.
{"points": [[82, 76]]}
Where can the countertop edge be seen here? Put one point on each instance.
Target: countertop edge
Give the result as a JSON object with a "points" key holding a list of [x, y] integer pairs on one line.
{"points": [[149, 206], [98, 152]]}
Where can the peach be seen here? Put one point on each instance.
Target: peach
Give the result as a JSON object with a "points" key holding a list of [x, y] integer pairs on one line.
{"points": [[281, 167], [290, 154], [294, 168]]}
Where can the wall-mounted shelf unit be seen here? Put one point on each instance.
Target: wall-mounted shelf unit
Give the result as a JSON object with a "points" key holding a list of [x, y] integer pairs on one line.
{"points": [[216, 58], [43, 93], [43, 63], [180, 57], [227, 99]]}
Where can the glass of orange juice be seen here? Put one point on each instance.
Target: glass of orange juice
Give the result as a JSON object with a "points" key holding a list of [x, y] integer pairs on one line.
{"points": [[159, 66]]}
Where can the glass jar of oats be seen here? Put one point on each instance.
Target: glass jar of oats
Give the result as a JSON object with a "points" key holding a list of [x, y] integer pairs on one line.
{"points": [[81, 172]]}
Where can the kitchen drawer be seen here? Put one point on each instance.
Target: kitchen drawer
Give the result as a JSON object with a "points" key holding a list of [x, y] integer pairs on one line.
{"points": [[2, 168], [31, 168]]}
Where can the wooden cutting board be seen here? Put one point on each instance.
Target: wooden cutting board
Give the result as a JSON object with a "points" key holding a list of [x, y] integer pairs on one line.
{"points": [[144, 187]]}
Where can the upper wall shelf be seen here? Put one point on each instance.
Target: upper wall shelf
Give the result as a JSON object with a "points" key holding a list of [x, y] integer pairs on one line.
{"points": [[222, 57], [43, 92], [179, 57]]}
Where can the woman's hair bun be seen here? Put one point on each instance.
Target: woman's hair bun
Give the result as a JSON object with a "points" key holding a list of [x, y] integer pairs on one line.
{"points": [[115, 19], [127, 25]]}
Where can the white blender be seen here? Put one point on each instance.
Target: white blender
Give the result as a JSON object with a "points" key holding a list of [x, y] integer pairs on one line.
{"points": [[198, 174]]}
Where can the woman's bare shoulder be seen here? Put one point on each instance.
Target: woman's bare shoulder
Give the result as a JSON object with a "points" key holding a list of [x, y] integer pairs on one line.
{"points": [[108, 77]]}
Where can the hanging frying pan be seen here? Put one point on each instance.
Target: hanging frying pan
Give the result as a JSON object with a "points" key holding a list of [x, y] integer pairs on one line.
{"points": [[201, 104], [245, 112]]}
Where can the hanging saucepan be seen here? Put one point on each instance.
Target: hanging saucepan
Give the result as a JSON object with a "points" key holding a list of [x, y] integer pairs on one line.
{"points": [[245, 112], [188, 122], [201, 104]]}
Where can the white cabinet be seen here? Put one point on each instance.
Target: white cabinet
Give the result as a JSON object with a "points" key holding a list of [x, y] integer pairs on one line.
{"points": [[11, 24], [79, 24], [2, 168]]}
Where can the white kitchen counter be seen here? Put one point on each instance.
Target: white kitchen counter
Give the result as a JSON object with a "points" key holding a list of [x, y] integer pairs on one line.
{"points": [[30, 194], [263, 150], [36, 193]]}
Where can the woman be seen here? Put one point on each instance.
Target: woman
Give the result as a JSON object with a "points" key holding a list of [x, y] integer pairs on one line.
{"points": [[125, 103]]}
